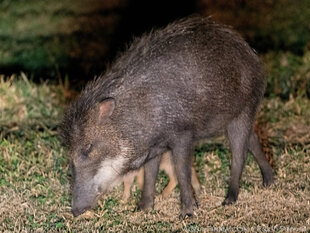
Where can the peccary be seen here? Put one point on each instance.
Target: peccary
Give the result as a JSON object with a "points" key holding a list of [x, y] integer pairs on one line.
{"points": [[172, 87], [166, 165]]}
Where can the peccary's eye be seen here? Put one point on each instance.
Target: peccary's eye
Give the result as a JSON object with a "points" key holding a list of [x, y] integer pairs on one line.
{"points": [[87, 150]]}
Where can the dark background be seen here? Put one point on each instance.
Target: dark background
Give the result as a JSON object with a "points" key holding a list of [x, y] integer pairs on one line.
{"points": [[75, 39]]}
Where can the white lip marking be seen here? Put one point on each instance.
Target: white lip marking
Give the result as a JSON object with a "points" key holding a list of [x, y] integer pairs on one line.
{"points": [[109, 172]]}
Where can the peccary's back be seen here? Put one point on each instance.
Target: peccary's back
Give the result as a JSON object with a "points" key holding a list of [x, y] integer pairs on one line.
{"points": [[194, 73]]}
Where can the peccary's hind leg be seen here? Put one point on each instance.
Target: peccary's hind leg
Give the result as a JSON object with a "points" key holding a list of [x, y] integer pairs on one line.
{"points": [[172, 181], [167, 166], [238, 133], [150, 175], [195, 182], [140, 178], [256, 149], [128, 181], [182, 151]]}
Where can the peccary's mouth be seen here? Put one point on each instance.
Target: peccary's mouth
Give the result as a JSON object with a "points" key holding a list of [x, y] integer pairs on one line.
{"points": [[80, 209]]}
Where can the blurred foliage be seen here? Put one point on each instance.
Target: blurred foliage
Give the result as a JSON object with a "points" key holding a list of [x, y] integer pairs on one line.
{"points": [[288, 75], [56, 39], [77, 37], [266, 24], [48, 37]]}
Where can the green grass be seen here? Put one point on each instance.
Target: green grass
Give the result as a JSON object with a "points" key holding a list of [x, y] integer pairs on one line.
{"points": [[35, 177], [34, 172]]}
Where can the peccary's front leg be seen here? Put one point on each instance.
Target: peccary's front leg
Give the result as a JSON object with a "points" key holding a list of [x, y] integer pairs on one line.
{"points": [[150, 175], [182, 152]]}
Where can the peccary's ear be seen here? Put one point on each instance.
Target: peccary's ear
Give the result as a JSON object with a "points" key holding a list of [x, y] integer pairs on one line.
{"points": [[106, 108]]}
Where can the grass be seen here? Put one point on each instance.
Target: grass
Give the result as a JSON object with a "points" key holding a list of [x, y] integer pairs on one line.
{"points": [[35, 178]]}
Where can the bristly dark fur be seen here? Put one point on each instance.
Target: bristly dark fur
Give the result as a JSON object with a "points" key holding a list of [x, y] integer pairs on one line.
{"points": [[126, 65]]}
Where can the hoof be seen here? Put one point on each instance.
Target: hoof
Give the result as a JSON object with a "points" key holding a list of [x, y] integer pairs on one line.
{"points": [[145, 206], [268, 182], [229, 201], [186, 215]]}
